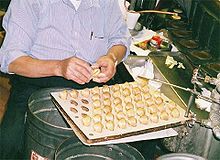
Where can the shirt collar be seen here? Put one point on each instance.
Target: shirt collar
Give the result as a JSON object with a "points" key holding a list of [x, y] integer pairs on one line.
{"points": [[85, 3], [91, 3], [53, 1], [76, 3]]}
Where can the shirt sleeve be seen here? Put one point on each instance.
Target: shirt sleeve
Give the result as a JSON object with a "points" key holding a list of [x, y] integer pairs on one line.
{"points": [[20, 24], [118, 32]]}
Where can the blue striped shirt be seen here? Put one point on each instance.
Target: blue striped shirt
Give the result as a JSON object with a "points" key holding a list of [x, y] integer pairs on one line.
{"points": [[54, 30]]}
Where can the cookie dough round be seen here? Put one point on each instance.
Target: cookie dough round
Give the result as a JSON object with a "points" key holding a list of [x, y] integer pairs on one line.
{"points": [[116, 94], [175, 113], [122, 123], [153, 109], [120, 115], [140, 104], [115, 87], [98, 126], [143, 119], [145, 89], [140, 111], [164, 116], [106, 95], [130, 112], [132, 121], [107, 102], [154, 118], [117, 100], [110, 125], [63, 94], [126, 92], [107, 109], [105, 88], [97, 118], [95, 90], [136, 91], [95, 96], [128, 99], [147, 96], [86, 120], [74, 93], [118, 107], [109, 117], [96, 103], [97, 110], [137, 97], [129, 105], [85, 92]]}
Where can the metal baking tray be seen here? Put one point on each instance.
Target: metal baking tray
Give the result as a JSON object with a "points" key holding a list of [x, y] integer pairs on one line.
{"points": [[177, 76], [87, 134]]}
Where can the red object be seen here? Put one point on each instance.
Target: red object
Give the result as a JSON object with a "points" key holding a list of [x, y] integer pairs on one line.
{"points": [[157, 39]]}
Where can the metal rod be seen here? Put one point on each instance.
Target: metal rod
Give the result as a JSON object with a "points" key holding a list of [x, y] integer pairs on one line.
{"points": [[154, 11], [206, 98], [190, 102], [185, 89], [170, 84]]}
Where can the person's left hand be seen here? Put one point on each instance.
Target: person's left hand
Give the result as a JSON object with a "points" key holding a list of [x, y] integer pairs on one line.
{"points": [[108, 69]]}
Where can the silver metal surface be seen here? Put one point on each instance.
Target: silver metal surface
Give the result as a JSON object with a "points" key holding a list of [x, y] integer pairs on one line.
{"points": [[180, 156], [70, 149], [193, 91], [135, 61], [214, 115], [207, 144], [196, 140], [179, 77], [45, 126]]}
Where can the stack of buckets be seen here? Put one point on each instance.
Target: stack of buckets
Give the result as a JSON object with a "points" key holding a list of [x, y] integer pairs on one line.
{"points": [[48, 136]]}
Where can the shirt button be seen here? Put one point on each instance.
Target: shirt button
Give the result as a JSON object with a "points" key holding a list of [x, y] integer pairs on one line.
{"points": [[75, 33]]}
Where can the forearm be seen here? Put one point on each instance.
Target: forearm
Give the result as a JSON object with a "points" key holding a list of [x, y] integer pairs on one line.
{"points": [[30, 67], [117, 53]]}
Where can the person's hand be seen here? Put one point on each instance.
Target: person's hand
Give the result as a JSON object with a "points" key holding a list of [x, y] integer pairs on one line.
{"points": [[76, 69], [108, 69]]}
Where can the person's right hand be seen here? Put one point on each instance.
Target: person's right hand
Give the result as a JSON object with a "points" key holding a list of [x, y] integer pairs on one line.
{"points": [[76, 69]]}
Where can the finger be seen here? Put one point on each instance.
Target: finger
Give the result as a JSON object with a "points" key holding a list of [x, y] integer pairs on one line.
{"points": [[80, 75], [101, 80], [96, 80], [81, 72], [108, 71], [77, 80], [95, 66], [86, 67], [101, 75], [75, 71], [83, 64]]}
